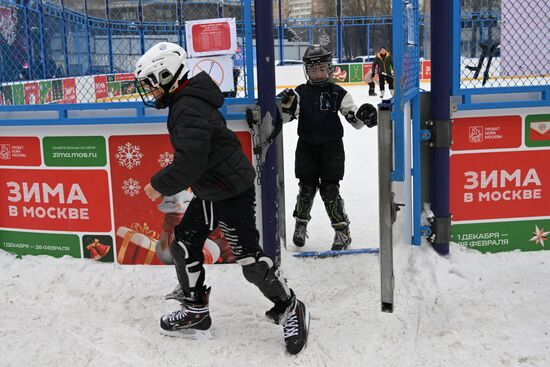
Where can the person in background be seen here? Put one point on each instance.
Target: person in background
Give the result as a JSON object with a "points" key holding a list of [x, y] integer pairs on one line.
{"points": [[319, 163], [383, 65], [209, 159]]}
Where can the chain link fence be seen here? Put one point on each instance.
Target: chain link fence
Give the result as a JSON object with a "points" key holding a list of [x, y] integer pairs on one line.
{"points": [[82, 51], [410, 48], [504, 43]]}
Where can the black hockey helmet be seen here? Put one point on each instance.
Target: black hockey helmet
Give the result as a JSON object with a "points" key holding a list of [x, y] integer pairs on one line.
{"points": [[318, 56]]}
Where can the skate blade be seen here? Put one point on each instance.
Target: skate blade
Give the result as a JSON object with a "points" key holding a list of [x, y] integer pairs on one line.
{"points": [[191, 334]]}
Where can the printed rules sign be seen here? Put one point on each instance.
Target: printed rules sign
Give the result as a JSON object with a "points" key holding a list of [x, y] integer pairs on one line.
{"points": [[500, 185]]}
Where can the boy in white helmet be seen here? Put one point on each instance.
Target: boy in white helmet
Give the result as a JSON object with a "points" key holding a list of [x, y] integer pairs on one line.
{"points": [[208, 158]]}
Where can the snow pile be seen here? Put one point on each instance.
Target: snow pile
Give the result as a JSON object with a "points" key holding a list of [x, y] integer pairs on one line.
{"points": [[468, 309]]}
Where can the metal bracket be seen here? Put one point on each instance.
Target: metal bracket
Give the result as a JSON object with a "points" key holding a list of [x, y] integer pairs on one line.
{"points": [[253, 116], [441, 230], [426, 231], [395, 207], [440, 131], [455, 101]]}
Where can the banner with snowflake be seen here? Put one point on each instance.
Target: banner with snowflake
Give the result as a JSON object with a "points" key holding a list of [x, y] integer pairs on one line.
{"points": [[141, 227], [499, 180], [532, 235], [82, 195]]}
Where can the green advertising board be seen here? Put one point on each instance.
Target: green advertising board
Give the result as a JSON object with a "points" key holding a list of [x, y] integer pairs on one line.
{"points": [[537, 130], [25, 243], [75, 151], [531, 235], [356, 73], [18, 94], [45, 88]]}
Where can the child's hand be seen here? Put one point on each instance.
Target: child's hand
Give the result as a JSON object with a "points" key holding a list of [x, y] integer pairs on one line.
{"points": [[368, 114], [289, 101], [151, 192]]}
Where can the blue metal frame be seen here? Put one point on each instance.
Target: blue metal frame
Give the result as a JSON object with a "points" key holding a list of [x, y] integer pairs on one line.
{"points": [[466, 94], [64, 109], [407, 90]]}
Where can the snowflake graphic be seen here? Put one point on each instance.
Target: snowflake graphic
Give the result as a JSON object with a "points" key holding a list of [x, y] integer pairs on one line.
{"points": [[129, 155], [539, 236], [131, 187], [165, 159]]}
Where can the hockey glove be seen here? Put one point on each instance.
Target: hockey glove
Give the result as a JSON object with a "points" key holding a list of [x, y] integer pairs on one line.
{"points": [[368, 114], [289, 102]]}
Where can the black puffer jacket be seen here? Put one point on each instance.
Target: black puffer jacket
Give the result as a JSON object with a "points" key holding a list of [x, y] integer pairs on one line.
{"points": [[207, 155]]}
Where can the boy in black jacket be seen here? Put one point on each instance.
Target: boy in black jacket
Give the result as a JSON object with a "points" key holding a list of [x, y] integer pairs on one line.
{"points": [[208, 158], [320, 154]]}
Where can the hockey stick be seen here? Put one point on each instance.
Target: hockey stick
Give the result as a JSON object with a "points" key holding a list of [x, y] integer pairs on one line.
{"points": [[334, 253]]}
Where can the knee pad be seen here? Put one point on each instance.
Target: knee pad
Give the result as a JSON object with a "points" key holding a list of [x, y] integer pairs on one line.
{"points": [[330, 191], [308, 189], [266, 277], [255, 270]]}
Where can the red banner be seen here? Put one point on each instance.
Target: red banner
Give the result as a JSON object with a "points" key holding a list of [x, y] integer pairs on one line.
{"points": [[100, 82], [20, 151], [211, 37], [426, 70], [486, 132], [31, 93], [500, 185], [69, 90], [59, 200]]}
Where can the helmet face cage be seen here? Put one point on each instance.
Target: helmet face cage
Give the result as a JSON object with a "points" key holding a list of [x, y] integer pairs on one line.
{"points": [[318, 66], [146, 92], [319, 73]]}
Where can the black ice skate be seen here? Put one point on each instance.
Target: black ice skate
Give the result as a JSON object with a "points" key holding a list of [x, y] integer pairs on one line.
{"points": [[300, 232], [342, 238], [191, 321], [296, 327], [295, 320]]}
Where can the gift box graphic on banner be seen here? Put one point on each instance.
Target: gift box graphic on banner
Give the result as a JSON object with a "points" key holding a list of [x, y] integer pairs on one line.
{"points": [[133, 238]]}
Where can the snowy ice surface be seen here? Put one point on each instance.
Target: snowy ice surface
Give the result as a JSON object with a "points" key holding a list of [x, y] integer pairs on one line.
{"points": [[465, 310]]}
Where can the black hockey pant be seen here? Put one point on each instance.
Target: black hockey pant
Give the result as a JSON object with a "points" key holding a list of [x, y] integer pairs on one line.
{"points": [[320, 167], [236, 218]]}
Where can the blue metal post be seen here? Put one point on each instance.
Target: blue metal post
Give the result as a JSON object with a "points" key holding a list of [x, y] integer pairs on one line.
{"points": [[65, 46], [281, 34], [141, 27], [368, 40], [180, 23], [42, 30], [109, 34], [88, 46], [266, 100], [339, 30], [441, 20], [29, 43], [248, 51]]}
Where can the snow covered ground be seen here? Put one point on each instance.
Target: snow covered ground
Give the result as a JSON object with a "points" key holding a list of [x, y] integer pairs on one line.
{"points": [[465, 310]]}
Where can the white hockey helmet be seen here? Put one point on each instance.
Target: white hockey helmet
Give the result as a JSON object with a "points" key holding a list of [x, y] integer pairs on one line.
{"points": [[163, 66]]}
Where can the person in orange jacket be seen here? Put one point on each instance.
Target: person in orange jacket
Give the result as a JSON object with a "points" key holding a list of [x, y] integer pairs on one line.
{"points": [[384, 65]]}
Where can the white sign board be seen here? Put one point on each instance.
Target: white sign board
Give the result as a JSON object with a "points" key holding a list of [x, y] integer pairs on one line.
{"points": [[220, 69], [211, 37]]}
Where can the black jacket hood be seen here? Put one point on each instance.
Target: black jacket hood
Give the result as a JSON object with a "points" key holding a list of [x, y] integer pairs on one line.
{"points": [[203, 87]]}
